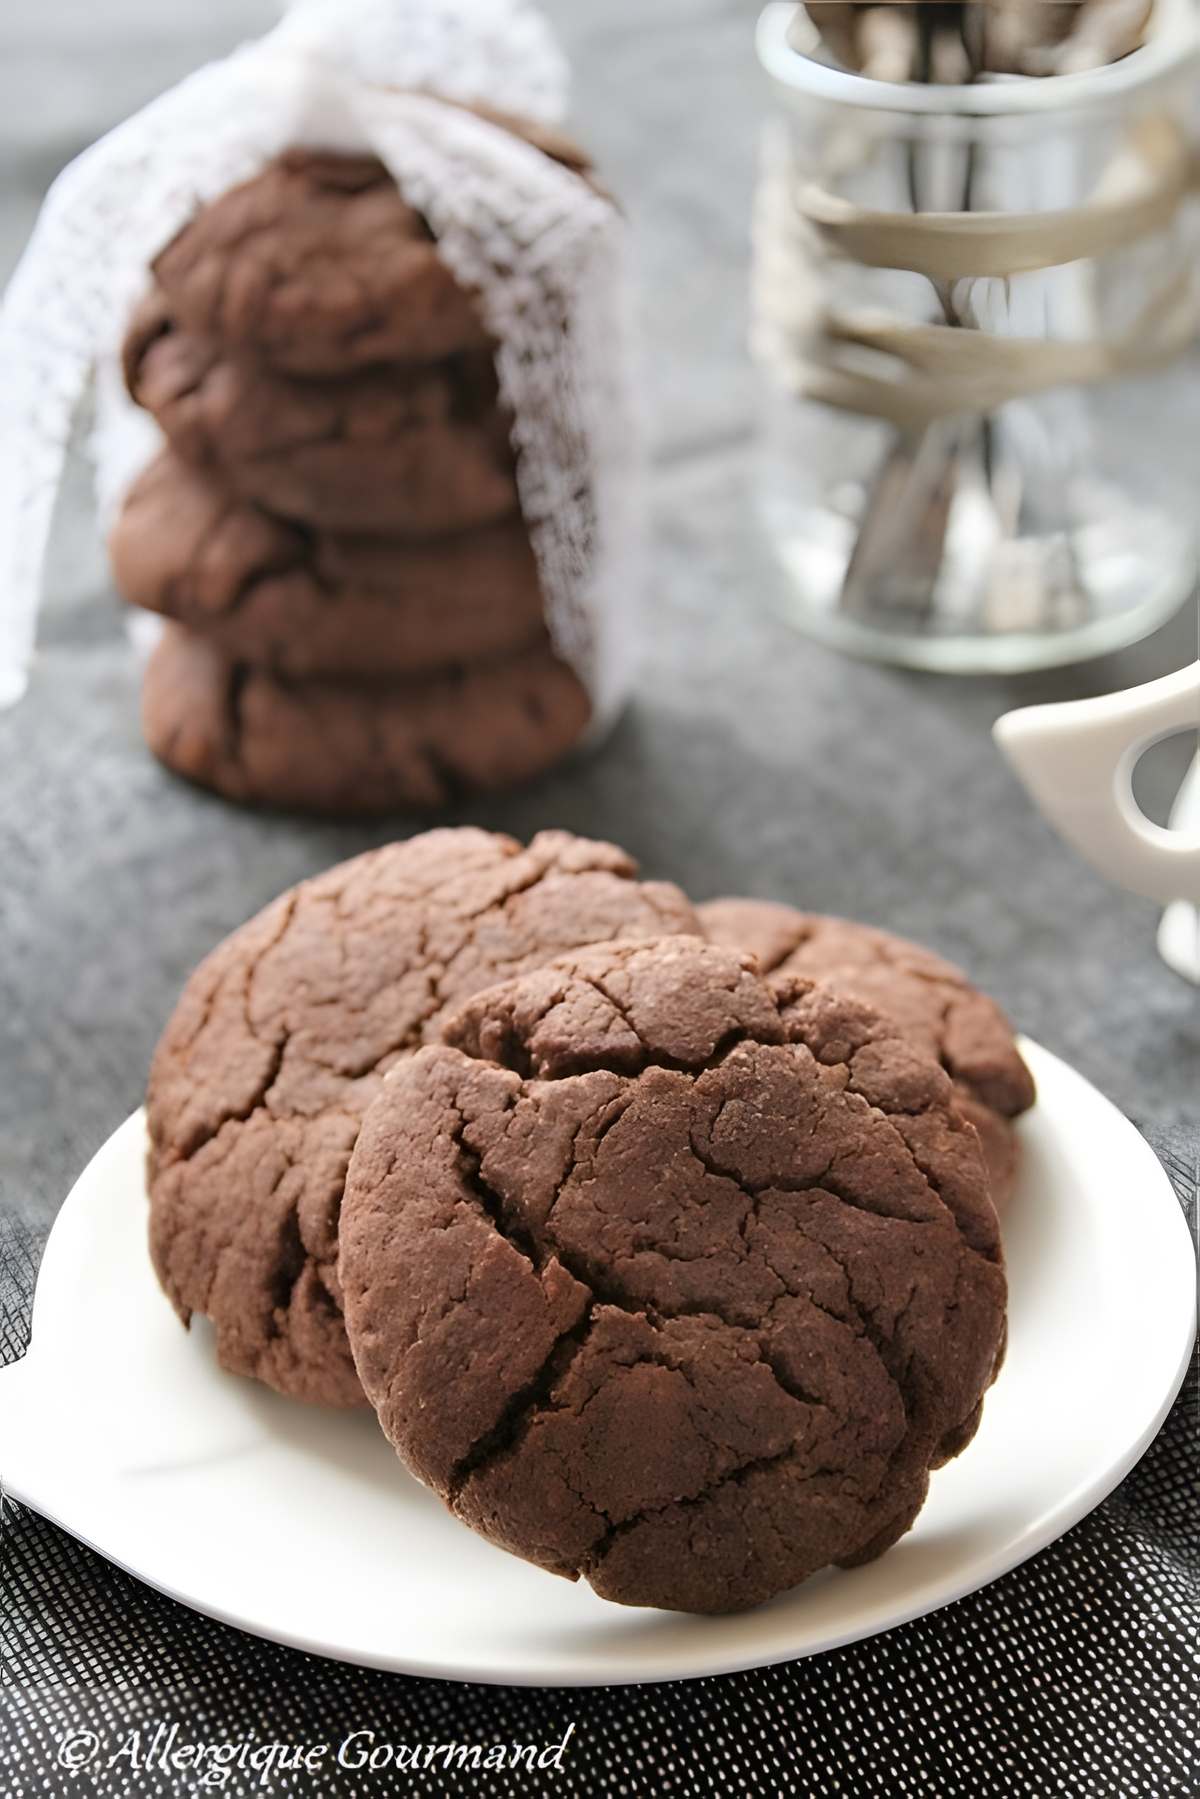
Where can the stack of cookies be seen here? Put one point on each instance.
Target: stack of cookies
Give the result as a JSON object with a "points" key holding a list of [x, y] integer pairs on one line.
{"points": [[662, 1262], [333, 530]]}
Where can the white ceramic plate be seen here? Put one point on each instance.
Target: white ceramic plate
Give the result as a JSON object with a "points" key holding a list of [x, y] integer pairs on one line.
{"points": [[300, 1524]]}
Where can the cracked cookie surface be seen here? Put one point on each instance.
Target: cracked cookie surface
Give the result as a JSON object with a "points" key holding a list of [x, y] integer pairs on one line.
{"points": [[304, 605], [281, 1039], [318, 266], [352, 748], [930, 998], [670, 1276]]}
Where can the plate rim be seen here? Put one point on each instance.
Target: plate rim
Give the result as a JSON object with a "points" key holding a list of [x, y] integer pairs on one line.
{"points": [[976, 1573]]}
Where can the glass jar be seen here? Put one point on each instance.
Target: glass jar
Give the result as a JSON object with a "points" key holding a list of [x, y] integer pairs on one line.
{"points": [[972, 306]]}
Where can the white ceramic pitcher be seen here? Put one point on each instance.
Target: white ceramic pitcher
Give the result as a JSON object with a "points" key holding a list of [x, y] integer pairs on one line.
{"points": [[1077, 758]]}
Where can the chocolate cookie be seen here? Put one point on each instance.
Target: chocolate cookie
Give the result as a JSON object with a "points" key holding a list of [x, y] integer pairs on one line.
{"points": [[670, 1277], [358, 748], [932, 999], [305, 604], [280, 1041], [413, 448], [319, 267]]}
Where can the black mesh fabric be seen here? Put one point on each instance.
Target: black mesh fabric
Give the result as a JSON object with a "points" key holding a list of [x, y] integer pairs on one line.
{"points": [[1077, 1674]]}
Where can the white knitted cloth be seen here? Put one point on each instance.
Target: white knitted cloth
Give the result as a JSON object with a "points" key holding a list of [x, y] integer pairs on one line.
{"points": [[538, 244]]}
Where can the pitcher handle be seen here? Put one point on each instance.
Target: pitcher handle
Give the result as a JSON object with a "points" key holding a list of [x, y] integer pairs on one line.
{"points": [[1076, 760]]}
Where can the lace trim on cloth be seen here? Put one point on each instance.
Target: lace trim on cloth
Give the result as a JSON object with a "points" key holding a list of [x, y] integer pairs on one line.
{"points": [[539, 246]]}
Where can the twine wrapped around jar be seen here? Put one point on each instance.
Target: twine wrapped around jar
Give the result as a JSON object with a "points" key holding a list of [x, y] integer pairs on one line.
{"points": [[953, 287], [889, 368]]}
